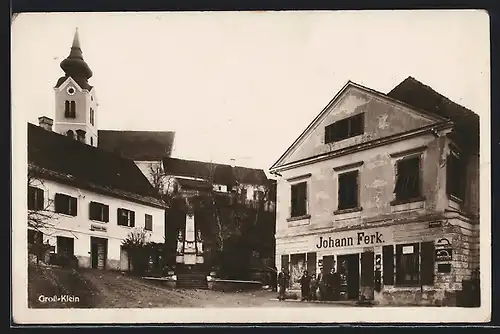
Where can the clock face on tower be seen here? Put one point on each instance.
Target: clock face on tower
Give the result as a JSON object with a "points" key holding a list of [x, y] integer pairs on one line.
{"points": [[71, 90]]}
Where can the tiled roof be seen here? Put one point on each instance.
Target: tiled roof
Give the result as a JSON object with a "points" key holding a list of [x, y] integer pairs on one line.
{"points": [[137, 145], [217, 173], [79, 164], [417, 94]]}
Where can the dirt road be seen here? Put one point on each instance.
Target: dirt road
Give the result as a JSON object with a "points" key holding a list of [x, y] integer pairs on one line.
{"points": [[107, 289]]}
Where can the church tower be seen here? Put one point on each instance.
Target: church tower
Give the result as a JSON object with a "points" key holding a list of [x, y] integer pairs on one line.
{"points": [[76, 103]]}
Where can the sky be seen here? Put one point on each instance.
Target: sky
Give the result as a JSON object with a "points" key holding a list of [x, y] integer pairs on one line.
{"points": [[244, 85]]}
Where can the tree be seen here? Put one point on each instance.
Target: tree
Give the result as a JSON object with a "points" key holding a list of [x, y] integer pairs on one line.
{"points": [[161, 182], [40, 219], [136, 245]]}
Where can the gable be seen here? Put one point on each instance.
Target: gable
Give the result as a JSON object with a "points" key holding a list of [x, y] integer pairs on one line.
{"points": [[383, 117]]}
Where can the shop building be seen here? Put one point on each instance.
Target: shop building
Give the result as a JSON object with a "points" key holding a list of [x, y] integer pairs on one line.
{"points": [[384, 188]]}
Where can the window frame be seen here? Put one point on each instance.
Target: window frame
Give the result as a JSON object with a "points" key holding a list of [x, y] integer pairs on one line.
{"points": [[103, 213], [293, 212], [400, 279], [456, 190], [38, 199], [72, 209], [340, 176], [332, 133], [418, 195], [146, 216], [130, 217]]}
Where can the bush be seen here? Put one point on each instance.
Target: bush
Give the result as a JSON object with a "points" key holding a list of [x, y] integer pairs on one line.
{"points": [[63, 260]]}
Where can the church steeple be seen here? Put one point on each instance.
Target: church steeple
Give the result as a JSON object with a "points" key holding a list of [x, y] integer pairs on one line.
{"points": [[74, 65]]}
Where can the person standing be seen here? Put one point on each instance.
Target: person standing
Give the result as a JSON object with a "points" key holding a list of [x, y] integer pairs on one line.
{"points": [[313, 287], [304, 286], [322, 284], [282, 284]]}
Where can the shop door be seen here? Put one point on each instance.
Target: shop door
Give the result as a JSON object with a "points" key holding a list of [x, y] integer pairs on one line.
{"points": [[328, 263], [367, 274], [348, 268], [98, 252]]}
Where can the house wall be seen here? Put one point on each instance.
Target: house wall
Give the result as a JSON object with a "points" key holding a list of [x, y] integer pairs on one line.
{"points": [[79, 227]]}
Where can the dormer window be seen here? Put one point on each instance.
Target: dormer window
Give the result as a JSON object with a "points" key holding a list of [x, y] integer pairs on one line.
{"points": [[345, 128]]}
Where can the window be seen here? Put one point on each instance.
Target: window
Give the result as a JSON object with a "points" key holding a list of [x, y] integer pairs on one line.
{"points": [[65, 246], [346, 128], [148, 222], [126, 217], [73, 109], [66, 204], [348, 190], [407, 179], [299, 199], [414, 264], [69, 109], [455, 176], [91, 116], [92, 141], [35, 198], [99, 212]]}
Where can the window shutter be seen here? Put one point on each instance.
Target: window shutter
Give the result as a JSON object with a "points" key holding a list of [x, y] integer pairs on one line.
{"points": [[427, 263], [74, 206], [39, 199], [31, 198], [304, 198], [132, 218], [388, 264], [58, 202], [399, 249], [91, 210], [105, 209]]}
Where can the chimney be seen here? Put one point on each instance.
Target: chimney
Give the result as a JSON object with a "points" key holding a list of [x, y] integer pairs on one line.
{"points": [[45, 122], [233, 162]]}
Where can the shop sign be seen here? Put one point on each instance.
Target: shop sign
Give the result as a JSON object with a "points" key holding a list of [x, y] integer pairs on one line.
{"points": [[356, 238], [98, 228]]}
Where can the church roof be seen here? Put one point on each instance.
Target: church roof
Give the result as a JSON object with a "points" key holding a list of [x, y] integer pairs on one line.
{"points": [[137, 145], [74, 66], [214, 172], [417, 94], [71, 162]]}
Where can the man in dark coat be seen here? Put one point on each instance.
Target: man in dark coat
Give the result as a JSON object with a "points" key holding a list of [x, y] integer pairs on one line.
{"points": [[282, 283], [304, 286], [322, 285], [333, 285]]}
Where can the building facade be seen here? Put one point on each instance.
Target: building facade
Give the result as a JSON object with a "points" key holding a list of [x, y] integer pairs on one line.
{"points": [[384, 189], [84, 201]]}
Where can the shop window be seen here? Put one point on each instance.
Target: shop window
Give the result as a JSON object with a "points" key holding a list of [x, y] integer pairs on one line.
{"points": [[35, 198], [148, 222], [348, 190], [65, 204], [407, 179], [343, 129], [299, 199], [415, 264], [455, 176], [126, 217], [99, 212]]}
